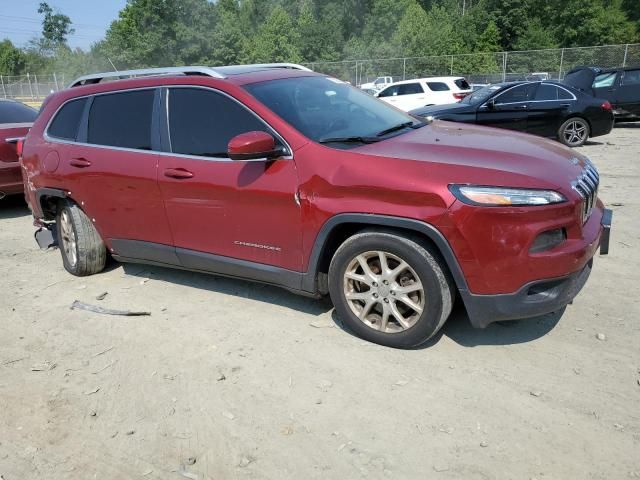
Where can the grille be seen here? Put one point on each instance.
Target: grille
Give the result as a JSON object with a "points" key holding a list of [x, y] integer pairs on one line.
{"points": [[587, 186]]}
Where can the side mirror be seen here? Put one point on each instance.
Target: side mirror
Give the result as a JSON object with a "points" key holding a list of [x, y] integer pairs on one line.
{"points": [[253, 146]]}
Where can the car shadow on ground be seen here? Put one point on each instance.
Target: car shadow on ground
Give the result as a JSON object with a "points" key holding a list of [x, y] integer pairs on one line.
{"points": [[229, 286], [13, 206], [459, 329]]}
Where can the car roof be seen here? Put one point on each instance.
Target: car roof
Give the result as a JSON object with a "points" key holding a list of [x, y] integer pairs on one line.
{"points": [[425, 79]]}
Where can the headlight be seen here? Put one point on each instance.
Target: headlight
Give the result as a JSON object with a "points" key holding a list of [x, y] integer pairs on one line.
{"points": [[501, 196]]}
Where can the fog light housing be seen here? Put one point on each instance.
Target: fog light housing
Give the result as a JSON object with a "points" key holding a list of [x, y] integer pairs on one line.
{"points": [[548, 240]]}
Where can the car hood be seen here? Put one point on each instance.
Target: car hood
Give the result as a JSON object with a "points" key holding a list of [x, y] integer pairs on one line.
{"points": [[582, 78], [471, 154], [440, 109]]}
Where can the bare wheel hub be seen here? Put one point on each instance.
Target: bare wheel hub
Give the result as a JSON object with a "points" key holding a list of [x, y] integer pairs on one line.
{"points": [[384, 291]]}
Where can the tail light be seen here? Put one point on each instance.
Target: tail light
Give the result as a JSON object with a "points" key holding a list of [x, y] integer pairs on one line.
{"points": [[459, 96], [606, 106]]}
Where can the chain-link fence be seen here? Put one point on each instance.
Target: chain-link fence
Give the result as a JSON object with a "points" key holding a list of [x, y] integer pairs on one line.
{"points": [[476, 67], [484, 67], [30, 88]]}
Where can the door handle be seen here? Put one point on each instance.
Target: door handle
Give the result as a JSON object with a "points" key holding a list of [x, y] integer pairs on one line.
{"points": [[565, 105], [80, 162], [521, 107], [179, 173]]}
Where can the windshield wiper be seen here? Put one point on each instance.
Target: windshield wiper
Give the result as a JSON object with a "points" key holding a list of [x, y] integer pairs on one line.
{"points": [[398, 127], [349, 140]]}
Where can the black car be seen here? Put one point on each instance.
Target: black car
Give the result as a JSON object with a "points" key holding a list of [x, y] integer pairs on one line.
{"points": [[546, 108], [621, 86]]}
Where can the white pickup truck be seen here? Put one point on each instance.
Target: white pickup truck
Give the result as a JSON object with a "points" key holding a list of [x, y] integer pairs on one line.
{"points": [[378, 84]]}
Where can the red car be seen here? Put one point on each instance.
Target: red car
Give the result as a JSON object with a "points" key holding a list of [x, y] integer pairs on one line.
{"points": [[15, 121], [277, 174]]}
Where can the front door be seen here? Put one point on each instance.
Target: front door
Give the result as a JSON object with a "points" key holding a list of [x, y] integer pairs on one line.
{"points": [[241, 210], [509, 109]]}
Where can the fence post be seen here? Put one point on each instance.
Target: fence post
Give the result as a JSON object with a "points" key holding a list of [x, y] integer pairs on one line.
{"points": [[404, 68], [4, 92], [561, 64], [30, 87], [504, 66], [451, 66], [55, 81], [35, 83], [626, 52]]}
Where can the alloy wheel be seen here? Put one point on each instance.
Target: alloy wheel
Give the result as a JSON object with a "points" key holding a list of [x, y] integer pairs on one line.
{"points": [[383, 291], [68, 238], [575, 133]]}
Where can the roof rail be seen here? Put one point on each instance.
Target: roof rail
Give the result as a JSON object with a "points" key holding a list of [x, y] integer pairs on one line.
{"points": [[195, 70], [98, 77]]}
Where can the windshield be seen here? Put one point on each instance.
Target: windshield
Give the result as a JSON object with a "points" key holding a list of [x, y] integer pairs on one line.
{"points": [[481, 95], [326, 109]]}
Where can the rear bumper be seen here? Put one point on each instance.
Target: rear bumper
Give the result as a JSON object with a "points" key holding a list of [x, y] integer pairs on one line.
{"points": [[536, 298]]}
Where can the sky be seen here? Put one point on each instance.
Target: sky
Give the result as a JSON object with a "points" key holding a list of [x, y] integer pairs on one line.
{"points": [[20, 20]]}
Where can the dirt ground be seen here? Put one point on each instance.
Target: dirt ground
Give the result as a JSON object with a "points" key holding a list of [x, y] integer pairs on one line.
{"points": [[250, 381]]}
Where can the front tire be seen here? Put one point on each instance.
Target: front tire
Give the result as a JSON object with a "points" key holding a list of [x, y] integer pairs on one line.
{"points": [[574, 132], [389, 289], [83, 251]]}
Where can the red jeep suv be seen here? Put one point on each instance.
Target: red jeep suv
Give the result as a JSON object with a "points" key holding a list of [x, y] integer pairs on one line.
{"points": [[281, 175]]}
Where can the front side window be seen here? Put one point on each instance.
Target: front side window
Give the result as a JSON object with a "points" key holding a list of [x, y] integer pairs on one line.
{"points": [[324, 108], [66, 123], [605, 80], [410, 89], [390, 91], [521, 93], [15, 112], [438, 86], [202, 122], [122, 119], [631, 77]]}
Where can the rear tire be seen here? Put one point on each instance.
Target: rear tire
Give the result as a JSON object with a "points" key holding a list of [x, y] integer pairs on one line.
{"points": [[574, 132], [83, 251], [389, 289]]}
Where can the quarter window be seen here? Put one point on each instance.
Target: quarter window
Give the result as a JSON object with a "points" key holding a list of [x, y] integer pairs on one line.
{"points": [[202, 122], [67, 121], [122, 119], [547, 92], [437, 86]]}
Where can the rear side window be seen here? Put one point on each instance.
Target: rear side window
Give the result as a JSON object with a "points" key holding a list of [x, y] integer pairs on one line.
{"points": [[631, 77], [547, 92], [438, 86], [122, 120], [66, 123], [564, 94], [14, 112], [410, 89], [202, 122], [462, 84]]}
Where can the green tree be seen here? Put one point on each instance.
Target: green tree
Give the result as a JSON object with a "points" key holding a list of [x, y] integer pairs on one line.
{"points": [[56, 27], [12, 60], [277, 40]]}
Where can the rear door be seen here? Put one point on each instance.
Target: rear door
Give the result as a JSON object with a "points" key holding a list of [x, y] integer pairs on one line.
{"points": [[110, 167], [510, 110], [244, 210], [628, 93], [548, 109], [405, 96]]}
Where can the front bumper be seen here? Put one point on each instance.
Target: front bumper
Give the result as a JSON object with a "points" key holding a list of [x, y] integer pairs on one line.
{"points": [[536, 298]]}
